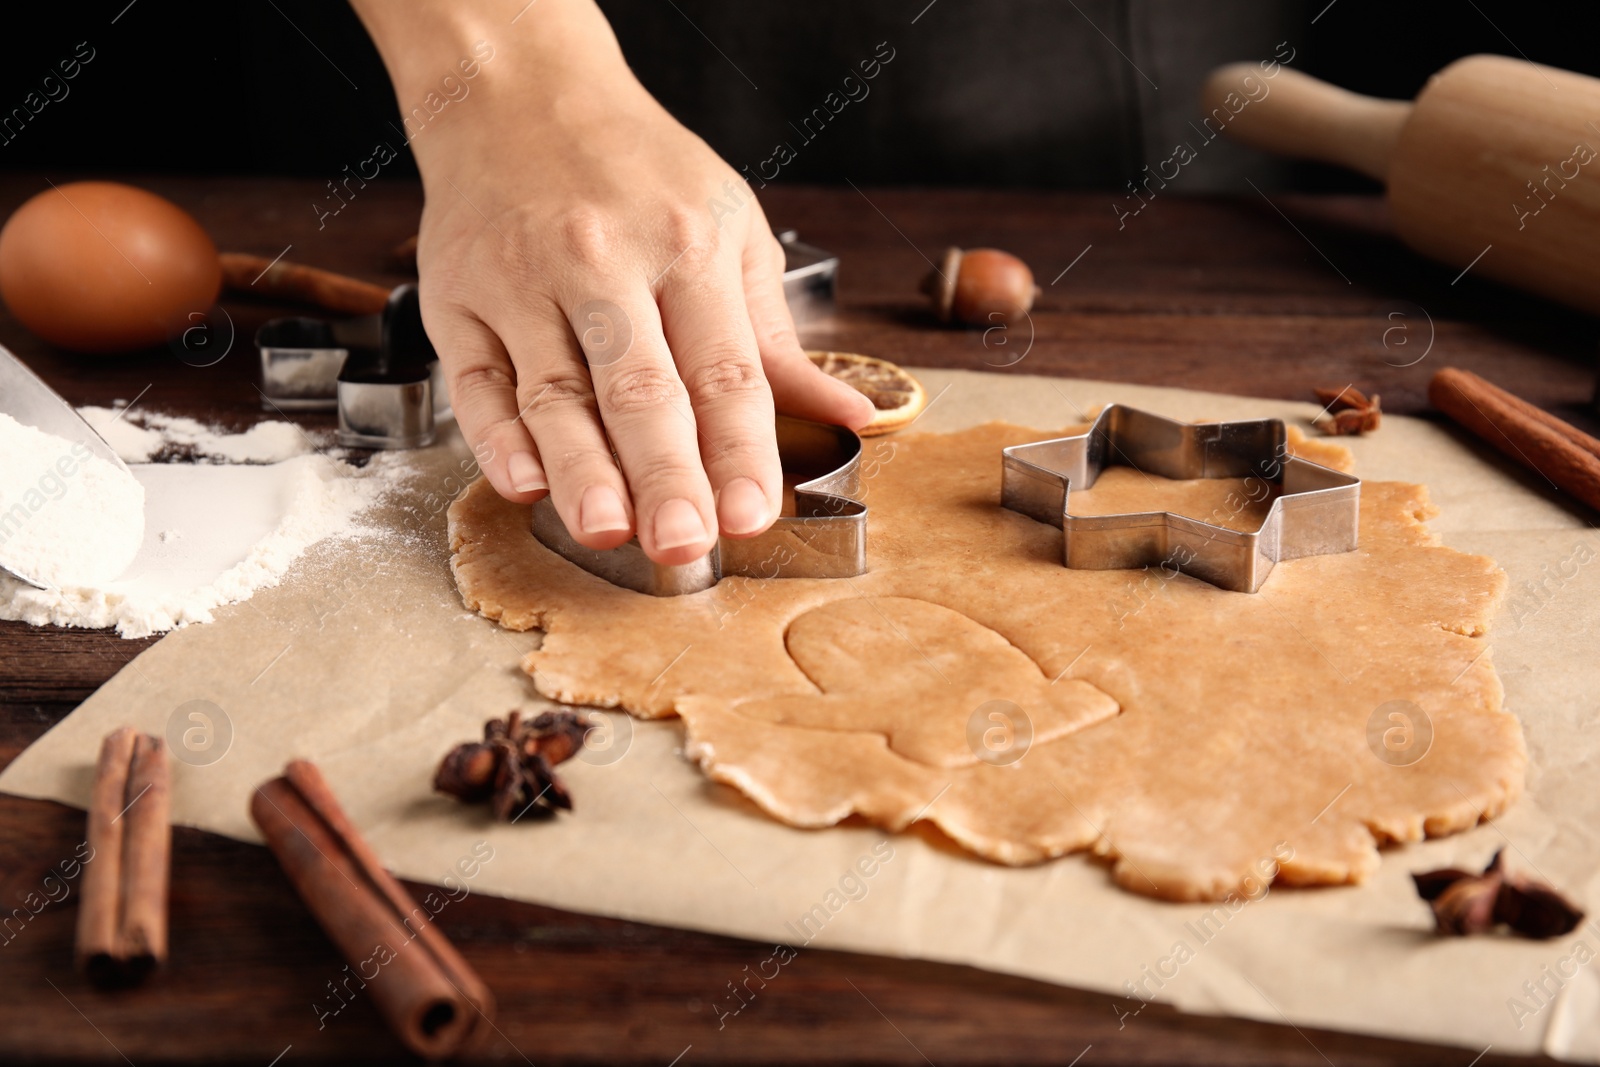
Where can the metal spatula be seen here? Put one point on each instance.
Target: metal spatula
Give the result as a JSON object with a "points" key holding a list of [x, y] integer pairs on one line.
{"points": [[27, 399]]}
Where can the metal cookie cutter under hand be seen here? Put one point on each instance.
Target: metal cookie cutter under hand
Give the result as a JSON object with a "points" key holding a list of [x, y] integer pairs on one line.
{"points": [[825, 538], [1317, 512]]}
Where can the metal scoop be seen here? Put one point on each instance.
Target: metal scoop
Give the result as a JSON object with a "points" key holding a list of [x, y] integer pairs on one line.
{"points": [[26, 398]]}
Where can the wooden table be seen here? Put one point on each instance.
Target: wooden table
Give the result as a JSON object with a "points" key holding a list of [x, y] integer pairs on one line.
{"points": [[1234, 295]]}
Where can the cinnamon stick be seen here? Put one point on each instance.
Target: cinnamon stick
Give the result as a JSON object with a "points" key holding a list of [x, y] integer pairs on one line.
{"points": [[122, 915], [1555, 449], [298, 283], [428, 993]]}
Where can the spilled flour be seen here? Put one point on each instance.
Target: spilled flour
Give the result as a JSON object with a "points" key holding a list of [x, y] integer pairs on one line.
{"points": [[67, 517], [139, 437], [202, 535]]}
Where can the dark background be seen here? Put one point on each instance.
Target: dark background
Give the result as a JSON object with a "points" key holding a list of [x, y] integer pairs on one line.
{"points": [[981, 92]]}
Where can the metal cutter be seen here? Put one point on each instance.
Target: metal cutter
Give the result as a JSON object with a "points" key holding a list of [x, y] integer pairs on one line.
{"points": [[1317, 512], [380, 372], [825, 538]]}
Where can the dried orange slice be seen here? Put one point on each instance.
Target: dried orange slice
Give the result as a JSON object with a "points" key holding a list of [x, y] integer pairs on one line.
{"points": [[898, 396]]}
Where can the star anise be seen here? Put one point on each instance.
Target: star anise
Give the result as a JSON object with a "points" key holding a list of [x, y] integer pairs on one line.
{"points": [[1465, 903], [1347, 412], [513, 767]]}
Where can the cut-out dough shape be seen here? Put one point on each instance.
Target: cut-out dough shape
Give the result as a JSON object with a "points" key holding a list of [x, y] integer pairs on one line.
{"points": [[1245, 730], [916, 673]]}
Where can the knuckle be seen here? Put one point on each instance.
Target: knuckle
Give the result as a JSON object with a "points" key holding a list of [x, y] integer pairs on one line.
{"points": [[775, 335], [640, 389], [471, 385], [663, 473], [540, 392], [688, 228], [725, 371], [576, 464], [586, 234], [500, 438], [746, 454]]}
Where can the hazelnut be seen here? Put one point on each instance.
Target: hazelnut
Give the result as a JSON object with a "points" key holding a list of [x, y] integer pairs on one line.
{"points": [[980, 287]]}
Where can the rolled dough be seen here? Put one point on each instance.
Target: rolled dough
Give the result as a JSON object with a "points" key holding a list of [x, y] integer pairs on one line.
{"points": [[1201, 740]]}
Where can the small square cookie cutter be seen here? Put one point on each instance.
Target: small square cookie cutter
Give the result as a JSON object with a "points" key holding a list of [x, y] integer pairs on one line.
{"points": [[379, 372], [825, 538], [1316, 513]]}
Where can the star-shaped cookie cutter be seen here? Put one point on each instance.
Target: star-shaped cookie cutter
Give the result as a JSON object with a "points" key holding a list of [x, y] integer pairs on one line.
{"points": [[825, 538], [1316, 513]]}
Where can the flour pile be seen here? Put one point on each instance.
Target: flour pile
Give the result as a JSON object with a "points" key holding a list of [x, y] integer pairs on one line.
{"points": [[67, 517], [168, 545]]}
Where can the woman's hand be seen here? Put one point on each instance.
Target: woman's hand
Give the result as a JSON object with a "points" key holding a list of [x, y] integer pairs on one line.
{"points": [[605, 293]]}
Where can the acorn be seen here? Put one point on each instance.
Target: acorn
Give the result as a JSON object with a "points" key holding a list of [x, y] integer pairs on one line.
{"points": [[981, 287]]}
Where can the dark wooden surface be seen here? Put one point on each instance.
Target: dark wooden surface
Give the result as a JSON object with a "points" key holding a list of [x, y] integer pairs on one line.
{"points": [[1226, 295]]}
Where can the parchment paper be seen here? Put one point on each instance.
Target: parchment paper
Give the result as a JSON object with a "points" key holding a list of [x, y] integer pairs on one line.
{"points": [[364, 660]]}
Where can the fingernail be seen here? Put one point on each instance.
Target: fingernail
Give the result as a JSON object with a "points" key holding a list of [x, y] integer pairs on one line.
{"points": [[742, 507], [601, 510], [526, 477], [678, 523]]}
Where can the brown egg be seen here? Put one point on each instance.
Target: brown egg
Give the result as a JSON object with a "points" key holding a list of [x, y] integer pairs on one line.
{"points": [[103, 267]]}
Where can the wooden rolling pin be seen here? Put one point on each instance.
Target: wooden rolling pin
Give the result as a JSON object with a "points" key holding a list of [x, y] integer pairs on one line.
{"points": [[1496, 153]]}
